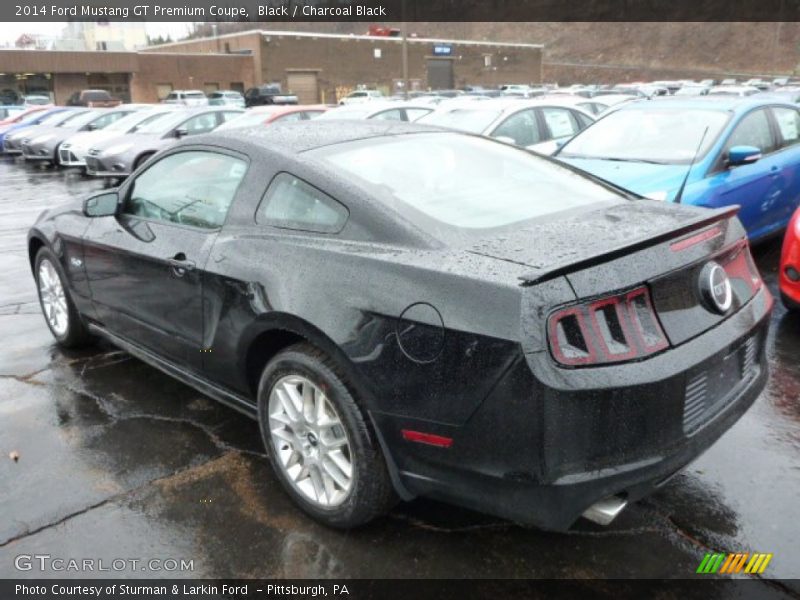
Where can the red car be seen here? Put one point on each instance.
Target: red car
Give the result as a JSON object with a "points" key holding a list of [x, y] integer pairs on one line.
{"points": [[789, 276], [264, 115], [22, 115]]}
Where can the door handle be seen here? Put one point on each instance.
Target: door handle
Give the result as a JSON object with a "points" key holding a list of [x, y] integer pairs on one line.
{"points": [[180, 265]]}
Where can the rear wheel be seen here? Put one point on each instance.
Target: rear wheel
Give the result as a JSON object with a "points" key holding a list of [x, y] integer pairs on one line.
{"points": [[320, 446], [58, 309], [789, 303]]}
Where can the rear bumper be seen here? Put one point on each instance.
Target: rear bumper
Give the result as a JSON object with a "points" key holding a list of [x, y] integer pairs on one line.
{"points": [[542, 454]]}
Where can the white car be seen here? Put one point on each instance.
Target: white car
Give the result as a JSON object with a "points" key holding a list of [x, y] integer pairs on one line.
{"points": [[74, 150], [733, 90], [360, 96], [539, 125], [187, 98], [388, 111]]}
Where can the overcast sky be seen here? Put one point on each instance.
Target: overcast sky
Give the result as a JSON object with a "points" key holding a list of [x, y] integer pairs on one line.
{"points": [[9, 32]]}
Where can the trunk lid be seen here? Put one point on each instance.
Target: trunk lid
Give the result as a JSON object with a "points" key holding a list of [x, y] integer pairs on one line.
{"points": [[617, 248]]}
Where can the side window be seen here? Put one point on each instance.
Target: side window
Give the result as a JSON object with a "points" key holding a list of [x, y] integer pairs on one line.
{"points": [[200, 124], [188, 188], [291, 203], [561, 122], [788, 124], [522, 127], [312, 114], [416, 113], [227, 116], [394, 114], [583, 120], [753, 130]]}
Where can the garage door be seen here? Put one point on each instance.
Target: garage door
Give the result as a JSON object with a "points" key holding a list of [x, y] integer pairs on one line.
{"points": [[304, 86], [440, 73]]}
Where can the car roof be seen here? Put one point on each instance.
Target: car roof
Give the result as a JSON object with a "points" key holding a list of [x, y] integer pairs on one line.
{"points": [[735, 104], [301, 136]]}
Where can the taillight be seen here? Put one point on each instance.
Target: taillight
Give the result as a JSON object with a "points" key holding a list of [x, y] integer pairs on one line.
{"points": [[613, 329]]}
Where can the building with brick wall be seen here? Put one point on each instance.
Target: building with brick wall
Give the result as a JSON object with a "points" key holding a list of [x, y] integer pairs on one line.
{"points": [[316, 67]]}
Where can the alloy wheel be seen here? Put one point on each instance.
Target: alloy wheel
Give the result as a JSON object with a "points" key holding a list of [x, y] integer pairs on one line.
{"points": [[310, 441], [53, 298]]}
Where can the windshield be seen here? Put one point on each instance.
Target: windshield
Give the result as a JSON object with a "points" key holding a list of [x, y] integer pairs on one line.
{"points": [[462, 181], [81, 119], [248, 119], [660, 135], [357, 112], [465, 119], [138, 118], [164, 125]]}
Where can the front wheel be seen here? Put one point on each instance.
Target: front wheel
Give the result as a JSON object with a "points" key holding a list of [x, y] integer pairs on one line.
{"points": [[320, 446], [59, 312]]}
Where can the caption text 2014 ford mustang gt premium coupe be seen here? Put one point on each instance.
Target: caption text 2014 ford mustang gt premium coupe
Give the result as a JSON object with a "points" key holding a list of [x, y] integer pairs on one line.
{"points": [[410, 312]]}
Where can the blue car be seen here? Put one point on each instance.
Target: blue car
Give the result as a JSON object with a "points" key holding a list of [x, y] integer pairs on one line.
{"points": [[35, 118], [705, 151]]}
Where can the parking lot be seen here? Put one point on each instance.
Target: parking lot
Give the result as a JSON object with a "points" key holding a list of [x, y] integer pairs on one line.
{"points": [[117, 460]]}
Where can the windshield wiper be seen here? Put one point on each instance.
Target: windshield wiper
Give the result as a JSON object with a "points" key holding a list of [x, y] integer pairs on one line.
{"points": [[638, 160]]}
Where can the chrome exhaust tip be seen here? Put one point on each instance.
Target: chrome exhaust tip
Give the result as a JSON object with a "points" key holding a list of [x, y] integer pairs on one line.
{"points": [[606, 510]]}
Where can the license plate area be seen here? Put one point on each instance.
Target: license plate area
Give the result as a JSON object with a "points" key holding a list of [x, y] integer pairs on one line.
{"points": [[710, 388]]}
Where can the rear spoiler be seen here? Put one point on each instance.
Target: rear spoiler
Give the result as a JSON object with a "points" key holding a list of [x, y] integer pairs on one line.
{"points": [[552, 271]]}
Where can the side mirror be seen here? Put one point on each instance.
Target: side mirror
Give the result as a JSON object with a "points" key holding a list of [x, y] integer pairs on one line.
{"points": [[181, 132], [102, 205], [743, 155], [91, 127]]}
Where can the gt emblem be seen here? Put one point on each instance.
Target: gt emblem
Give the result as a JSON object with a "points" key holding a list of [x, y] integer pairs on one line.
{"points": [[715, 288]]}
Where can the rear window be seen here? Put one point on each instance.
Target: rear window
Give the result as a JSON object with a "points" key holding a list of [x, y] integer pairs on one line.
{"points": [[462, 181]]}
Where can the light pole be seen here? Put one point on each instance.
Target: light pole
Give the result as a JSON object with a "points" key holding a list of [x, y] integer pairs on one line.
{"points": [[404, 35]]}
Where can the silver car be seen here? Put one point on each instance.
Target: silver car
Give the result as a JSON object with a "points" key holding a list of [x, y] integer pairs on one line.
{"points": [[44, 144], [121, 155], [539, 125], [12, 142], [73, 152]]}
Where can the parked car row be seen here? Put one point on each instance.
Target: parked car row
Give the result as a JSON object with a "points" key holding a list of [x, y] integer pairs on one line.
{"points": [[713, 151]]}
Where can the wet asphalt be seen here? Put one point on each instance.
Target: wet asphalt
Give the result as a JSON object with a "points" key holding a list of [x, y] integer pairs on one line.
{"points": [[117, 460]]}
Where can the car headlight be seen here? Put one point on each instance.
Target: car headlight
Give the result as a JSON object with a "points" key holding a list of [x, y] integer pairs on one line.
{"points": [[118, 149], [659, 195], [42, 139]]}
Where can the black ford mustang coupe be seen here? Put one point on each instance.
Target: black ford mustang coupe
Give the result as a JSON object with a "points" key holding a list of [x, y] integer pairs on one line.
{"points": [[414, 312]]}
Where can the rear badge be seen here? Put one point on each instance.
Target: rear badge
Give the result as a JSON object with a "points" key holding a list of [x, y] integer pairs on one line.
{"points": [[715, 288]]}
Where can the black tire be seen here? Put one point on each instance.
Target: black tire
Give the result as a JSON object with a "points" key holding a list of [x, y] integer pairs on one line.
{"points": [[789, 303], [142, 159], [76, 334], [371, 494]]}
